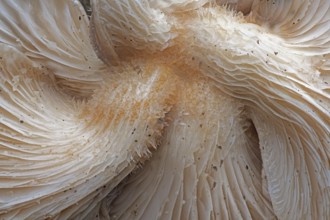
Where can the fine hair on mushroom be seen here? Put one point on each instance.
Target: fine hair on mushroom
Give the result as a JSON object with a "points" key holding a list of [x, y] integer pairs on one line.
{"points": [[165, 109]]}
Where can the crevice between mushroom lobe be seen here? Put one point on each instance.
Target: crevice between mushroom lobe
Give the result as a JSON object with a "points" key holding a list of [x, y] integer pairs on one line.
{"points": [[255, 152]]}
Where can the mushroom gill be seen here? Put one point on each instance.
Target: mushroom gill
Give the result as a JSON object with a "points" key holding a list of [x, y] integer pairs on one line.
{"points": [[165, 109]]}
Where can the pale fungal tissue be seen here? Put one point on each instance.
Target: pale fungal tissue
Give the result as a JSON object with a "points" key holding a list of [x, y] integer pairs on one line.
{"points": [[165, 109]]}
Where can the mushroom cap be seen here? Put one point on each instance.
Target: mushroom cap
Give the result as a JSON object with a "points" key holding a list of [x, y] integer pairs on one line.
{"points": [[165, 110]]}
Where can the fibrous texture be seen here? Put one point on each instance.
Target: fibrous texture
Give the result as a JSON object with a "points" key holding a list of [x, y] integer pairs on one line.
{"points": [[165, 109]]}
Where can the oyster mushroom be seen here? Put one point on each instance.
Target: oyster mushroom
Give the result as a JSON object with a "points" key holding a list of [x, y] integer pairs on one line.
{"points": [[165, 110]]}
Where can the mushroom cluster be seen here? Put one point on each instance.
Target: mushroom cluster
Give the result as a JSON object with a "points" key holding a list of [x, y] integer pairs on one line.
{"points": [[165, 109]]}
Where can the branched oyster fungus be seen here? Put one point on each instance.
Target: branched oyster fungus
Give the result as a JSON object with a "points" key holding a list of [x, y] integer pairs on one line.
{"points": [[165, 109]]}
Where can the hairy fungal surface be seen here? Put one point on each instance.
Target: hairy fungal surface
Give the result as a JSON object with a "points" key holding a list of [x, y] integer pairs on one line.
{"points": [[165, 109]]}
